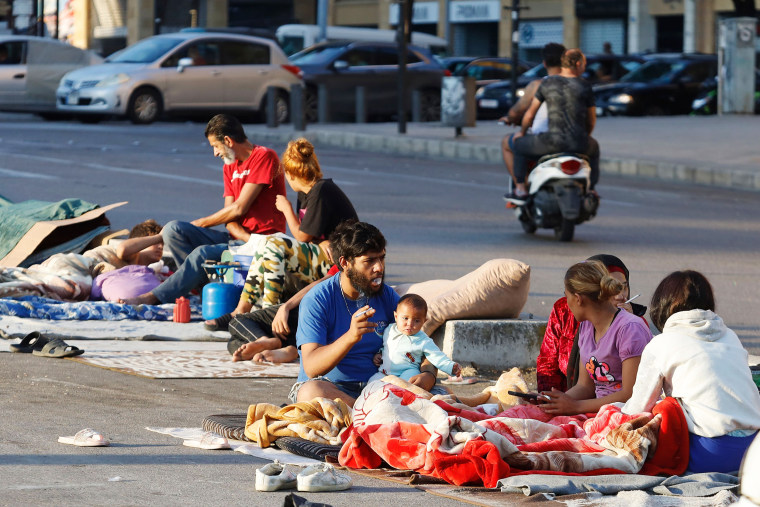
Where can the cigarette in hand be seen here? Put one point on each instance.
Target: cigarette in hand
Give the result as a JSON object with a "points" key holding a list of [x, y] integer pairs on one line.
{"points": [[358, 314], [631, 299]]}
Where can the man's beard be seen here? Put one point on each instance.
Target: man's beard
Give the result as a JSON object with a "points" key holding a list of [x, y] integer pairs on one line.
{"points": [[362, 283], [228, 155]]}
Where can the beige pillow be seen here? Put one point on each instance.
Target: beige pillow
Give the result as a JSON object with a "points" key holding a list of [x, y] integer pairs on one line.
{"points": [[497, 289]]}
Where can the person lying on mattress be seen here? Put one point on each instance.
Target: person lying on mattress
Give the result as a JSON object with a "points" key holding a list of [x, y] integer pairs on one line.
{"points": [[341, 320], [610, 341], [702, 364]]}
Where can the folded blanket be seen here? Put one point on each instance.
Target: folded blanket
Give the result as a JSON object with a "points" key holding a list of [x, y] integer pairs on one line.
{"points": [[319, 420], [50, 309], [432, 438]]}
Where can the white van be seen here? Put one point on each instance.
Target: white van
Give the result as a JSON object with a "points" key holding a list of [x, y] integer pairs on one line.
{"points": [[294, 38]]}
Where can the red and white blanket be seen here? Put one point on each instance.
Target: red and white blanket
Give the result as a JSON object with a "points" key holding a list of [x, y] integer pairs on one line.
{"points": [[392, 425]]}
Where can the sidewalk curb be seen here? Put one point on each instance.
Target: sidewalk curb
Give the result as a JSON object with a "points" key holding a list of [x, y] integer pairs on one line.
{"points": [[463, 150]]}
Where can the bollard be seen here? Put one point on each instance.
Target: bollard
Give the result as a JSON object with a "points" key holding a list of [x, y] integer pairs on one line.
{"points": [[271, 107], [361, 105], [416, 106], [297, 113], [322, 109]]}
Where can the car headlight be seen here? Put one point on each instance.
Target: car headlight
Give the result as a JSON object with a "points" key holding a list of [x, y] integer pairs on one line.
{"points": [[622, 98], [521, 92], [479, 92], [114, 80], [701, 102]]}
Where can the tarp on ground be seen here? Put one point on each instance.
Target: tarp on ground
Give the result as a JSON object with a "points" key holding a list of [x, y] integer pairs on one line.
{"points": [[31, 227]]}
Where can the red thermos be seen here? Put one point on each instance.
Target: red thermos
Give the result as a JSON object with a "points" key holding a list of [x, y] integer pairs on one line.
{"points": [[182, 310]]}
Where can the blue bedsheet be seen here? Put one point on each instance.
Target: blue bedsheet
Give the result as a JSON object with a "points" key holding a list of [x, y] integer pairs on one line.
{"points": [[43, 308]]}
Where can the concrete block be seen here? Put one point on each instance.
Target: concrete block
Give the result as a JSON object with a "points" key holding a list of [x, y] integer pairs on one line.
{"points": [[703, 176], [628, 167], [743, 180], [464, 151], [494, 155], [495, 344], [721, 178], [648, 169], [419, 146], [349, 140], [449, 149], [609, 165], [685, 173], [666, 171], [480, 152], [404, 146], [434, 147]]}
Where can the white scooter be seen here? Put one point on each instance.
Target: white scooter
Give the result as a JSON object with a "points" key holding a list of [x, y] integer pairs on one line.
{"points": [[558, 195]]}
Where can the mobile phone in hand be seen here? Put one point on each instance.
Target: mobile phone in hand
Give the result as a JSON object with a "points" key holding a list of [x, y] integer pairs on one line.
{"points": [[529, 396]]}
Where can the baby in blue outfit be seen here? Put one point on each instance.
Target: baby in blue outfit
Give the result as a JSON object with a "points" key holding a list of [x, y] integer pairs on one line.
{"points": [[405, 345]]}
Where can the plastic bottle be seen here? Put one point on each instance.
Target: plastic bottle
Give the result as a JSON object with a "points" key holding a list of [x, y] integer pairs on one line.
{"points": [[182, 310]]}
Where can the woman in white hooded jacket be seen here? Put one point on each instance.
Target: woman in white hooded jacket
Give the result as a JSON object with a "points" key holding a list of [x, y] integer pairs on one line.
{"points": [[701, 363]]}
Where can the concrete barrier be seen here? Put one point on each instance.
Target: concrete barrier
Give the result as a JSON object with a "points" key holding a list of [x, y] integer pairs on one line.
{"points": [[494, 344]]}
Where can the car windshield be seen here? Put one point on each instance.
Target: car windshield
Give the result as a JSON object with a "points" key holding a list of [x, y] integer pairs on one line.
{"points": [[654, 72], [145, 51], [316, 55]]}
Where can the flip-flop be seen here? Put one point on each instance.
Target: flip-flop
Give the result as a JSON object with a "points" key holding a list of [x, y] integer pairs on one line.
{"points": [[220, 323], [58, 348], [86, 438], [31, 342], [210, 441]]}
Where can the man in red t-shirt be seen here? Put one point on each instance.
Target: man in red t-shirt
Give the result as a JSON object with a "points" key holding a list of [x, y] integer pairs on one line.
{"points": [[252, 181]]}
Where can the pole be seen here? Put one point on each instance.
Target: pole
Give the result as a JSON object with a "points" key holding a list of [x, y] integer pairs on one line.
{"points": [[322, 20], [401, 32], [515, 45]]}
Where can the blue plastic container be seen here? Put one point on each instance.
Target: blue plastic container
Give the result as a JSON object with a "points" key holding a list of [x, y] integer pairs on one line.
{"points": [[219, 299], [240, 274]]}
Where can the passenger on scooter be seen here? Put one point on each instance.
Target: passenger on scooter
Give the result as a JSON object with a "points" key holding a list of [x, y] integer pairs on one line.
{"points": [[552, 60], [572, 116]]}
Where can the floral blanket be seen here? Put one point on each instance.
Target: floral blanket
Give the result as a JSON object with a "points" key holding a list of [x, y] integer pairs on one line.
{"points": [[392, 425]]}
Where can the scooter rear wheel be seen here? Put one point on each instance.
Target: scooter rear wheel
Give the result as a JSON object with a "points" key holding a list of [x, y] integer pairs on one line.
{"points": [[528, 227], [565, 231]]}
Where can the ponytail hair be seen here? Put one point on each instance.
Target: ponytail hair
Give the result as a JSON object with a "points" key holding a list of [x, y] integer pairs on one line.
{"points": [[300, 161], [591, 279]]}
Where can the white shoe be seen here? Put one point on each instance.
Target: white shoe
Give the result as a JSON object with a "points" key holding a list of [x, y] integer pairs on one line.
{"points": [[322, 477], [274, 476]]}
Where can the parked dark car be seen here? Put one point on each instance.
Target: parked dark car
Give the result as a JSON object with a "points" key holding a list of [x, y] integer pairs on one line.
{"points": [[487, 70], [494, 100], [344, 66], [663, 85], [707, 100]]}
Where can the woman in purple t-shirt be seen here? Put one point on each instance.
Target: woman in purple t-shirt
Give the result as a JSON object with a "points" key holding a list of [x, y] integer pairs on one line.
{"points": [[610, 341]]}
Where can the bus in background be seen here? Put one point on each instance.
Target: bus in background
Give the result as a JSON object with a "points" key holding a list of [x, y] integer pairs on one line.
{"points": [[294, 38]]}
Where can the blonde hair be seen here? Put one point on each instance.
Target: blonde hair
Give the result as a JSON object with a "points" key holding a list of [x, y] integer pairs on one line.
{"points": [[591, 279], [299, 160]]}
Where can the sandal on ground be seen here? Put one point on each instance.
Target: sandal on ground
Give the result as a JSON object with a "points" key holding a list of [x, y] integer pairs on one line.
{"points": [[58, 348], [209, 440], [86, 438], [220, 323], [31, 342]]}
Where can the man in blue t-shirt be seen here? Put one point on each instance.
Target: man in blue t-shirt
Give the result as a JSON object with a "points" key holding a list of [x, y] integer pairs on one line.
{"points": [[341, 320]]}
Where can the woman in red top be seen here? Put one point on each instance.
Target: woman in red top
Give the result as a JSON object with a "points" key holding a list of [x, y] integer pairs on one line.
{"points": [[559, 347]]}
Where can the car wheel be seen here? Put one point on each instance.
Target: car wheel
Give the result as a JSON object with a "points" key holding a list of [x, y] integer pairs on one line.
{"points": [[145, 106], [430, 106], [281, 107], [310, 105]]}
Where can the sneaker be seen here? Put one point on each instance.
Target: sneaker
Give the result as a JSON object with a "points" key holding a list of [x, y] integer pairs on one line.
{"points": [[515, 198], [322, 477], [275, 476]]}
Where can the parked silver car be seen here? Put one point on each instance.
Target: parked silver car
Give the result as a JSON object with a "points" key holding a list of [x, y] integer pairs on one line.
{"points": [[182, 72], [30, 69]]}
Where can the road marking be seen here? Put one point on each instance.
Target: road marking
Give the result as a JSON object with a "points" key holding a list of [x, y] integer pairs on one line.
{"points": [[19, 174]]}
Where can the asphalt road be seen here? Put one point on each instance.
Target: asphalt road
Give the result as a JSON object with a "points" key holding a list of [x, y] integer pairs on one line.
{"points": [[442, 220]]}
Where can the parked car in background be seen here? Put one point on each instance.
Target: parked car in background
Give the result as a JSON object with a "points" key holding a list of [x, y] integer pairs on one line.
{"points": [[30, 69], [665, 84], [707, 99], [488, 70], [344, 66], [494, 100], [294, 37], [183, 72]]}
